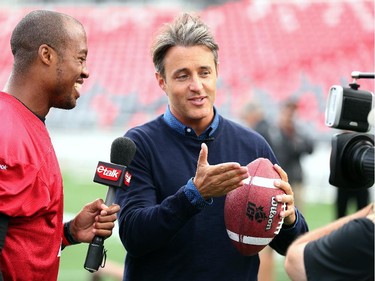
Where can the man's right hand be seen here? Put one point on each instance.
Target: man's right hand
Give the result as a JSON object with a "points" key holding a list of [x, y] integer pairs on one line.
{"points": [[217, 180]]}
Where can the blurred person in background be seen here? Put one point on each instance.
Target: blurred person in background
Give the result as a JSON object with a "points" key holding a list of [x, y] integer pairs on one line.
{"points": [[253, 116], [49, 50], [340, 251], [290, 143], [171, 220]]}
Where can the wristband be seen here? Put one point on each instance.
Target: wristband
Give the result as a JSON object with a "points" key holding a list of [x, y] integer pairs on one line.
{"points": [[68, 239]]}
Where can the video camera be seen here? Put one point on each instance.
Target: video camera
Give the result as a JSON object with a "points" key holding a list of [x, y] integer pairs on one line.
{"points": [[352, 155]]}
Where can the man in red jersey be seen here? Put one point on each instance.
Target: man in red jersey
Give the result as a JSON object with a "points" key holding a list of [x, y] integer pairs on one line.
{"points": [[49, 67]]}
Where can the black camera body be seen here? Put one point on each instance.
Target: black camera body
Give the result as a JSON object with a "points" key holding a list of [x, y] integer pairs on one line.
{"points": [[352, 155]]}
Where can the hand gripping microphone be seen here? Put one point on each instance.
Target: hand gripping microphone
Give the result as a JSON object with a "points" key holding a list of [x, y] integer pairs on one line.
{"points": [[114, 175]]}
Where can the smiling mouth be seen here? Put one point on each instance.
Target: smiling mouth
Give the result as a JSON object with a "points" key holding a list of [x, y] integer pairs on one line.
{"points": [[77, 86], [197, 99]]}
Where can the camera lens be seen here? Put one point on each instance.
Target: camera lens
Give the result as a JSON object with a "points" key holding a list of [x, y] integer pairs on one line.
{"points": [[359, 161], [352, 161]]}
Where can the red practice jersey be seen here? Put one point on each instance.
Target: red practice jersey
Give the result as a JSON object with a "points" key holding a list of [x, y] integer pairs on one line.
{"points": [[31, 194]]}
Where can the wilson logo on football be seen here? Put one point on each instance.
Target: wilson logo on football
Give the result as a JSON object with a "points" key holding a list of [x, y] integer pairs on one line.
{"points": [[108, 173], [256, 213]]}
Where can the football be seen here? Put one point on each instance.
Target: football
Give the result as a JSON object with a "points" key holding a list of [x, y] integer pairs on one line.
{"points": [[251, 212]]}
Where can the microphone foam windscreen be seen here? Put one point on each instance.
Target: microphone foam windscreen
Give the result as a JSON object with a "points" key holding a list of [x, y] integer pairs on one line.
{"points": [[122, 151]]}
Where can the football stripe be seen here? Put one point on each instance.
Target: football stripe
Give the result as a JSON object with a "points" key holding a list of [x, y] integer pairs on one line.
{"points": [[248, 239], [259, 181]]}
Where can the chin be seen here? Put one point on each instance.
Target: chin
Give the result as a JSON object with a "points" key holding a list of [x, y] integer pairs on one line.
{"points": [[203, 113], [69, 104]]}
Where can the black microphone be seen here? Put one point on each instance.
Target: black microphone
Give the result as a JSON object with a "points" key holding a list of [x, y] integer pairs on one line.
{"points": [[114, 175]]}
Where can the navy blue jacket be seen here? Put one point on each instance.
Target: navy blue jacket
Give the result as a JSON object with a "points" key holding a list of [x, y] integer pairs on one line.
{"points": [[167, 237]]}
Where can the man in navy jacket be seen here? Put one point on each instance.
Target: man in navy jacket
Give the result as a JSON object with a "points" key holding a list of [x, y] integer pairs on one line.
{"points": [[172, 214]]}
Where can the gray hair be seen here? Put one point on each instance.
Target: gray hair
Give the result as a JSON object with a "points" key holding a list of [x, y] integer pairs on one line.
{"points": [[37, 28], [186, 30]]}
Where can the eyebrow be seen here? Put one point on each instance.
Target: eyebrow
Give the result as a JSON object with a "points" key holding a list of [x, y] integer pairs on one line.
{"points": [[186, 69], [180, 70]]}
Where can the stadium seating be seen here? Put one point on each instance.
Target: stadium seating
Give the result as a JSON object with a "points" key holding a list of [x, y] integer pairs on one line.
{"points": [[269, 51]]}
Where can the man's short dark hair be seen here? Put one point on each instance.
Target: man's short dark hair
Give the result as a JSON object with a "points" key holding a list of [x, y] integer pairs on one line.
{"points": [[37, 28]]}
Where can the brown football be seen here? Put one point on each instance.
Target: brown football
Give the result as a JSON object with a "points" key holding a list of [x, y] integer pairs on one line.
{"points": [[251, 212]]}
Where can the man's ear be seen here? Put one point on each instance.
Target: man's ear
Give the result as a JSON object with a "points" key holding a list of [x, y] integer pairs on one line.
{"points": [[161, 80], [46, 54]]}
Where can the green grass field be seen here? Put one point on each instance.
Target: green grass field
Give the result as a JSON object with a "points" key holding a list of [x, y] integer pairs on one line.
{"points": [[80, 190]]}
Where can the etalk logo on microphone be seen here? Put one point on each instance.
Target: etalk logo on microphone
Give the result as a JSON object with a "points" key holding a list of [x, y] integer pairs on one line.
{"points": [[108, 173]]}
